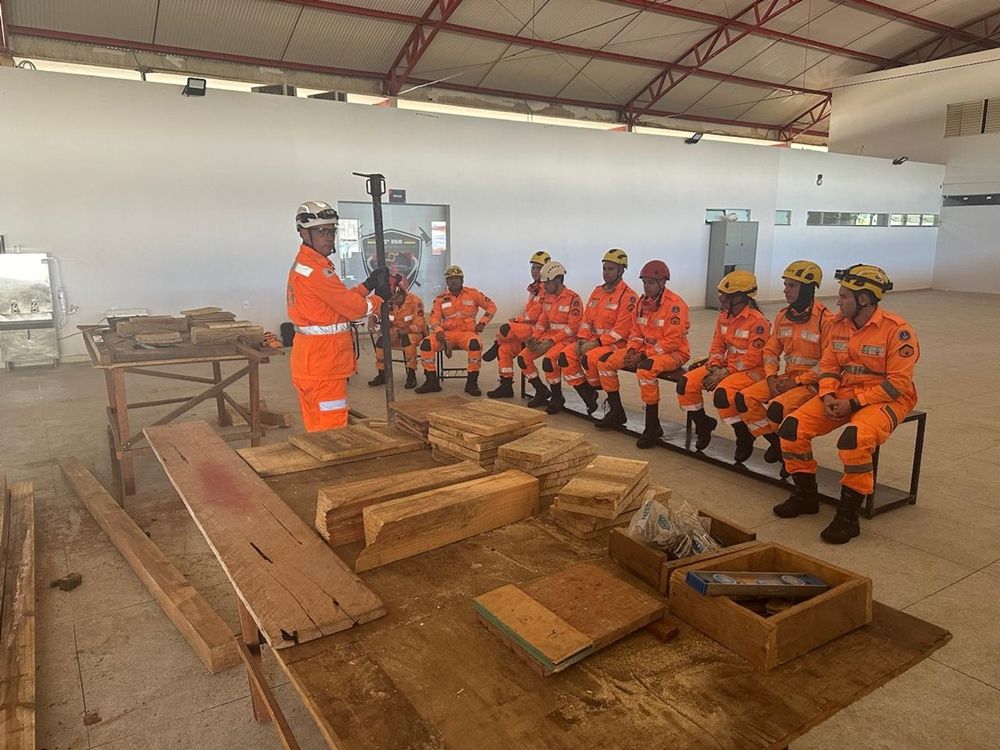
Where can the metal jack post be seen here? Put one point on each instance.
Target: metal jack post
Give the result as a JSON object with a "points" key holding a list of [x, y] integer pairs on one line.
{"points": [[375, 187]]}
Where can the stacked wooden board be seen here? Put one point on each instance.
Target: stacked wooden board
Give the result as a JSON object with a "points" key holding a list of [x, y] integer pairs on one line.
{"points": [[315, 450], [474, 431], [554, 622], [411, 415], [602, 495], [550, 455], [339, 508], [418, 523]]}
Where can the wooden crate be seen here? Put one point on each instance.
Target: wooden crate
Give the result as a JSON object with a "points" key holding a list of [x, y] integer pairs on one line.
{"points": [[655, 566], [767, 642]]}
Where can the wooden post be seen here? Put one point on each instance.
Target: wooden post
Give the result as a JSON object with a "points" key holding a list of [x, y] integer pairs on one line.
{"points": [[251, 639], [254, 378], [119, 406], [220, 401]]}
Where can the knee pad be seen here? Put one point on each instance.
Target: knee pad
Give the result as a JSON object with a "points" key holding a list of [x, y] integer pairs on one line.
{"points": [[848, 438], [547, 365], [741, 403], [563, 362], [505, 329], [720, 398], [775, 412], [644, 364], [604, 357], [425, 345], [681, 385], [521, 363], [789, 429], [475, 346]]}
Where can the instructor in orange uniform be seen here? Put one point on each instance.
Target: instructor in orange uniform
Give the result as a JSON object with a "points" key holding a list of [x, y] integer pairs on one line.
{"points": [[321, 308], [865, 382]]}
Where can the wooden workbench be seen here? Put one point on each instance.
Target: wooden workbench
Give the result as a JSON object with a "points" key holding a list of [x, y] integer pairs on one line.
{"points": [[118, 357], [429, 675]]}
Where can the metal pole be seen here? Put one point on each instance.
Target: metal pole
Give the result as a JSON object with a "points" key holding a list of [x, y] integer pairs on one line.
{"points": [[375, 187]]}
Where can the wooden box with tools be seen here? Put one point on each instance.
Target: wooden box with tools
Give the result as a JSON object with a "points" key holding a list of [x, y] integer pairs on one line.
{"points": [[655, 566], [767, 641]]}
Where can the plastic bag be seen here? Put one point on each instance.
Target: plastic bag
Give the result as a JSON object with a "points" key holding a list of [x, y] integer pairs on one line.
{"points": [[678, 531]]}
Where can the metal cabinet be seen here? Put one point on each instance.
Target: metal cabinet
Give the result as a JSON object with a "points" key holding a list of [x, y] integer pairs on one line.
{"points": [[28, 334], [732, 246]]}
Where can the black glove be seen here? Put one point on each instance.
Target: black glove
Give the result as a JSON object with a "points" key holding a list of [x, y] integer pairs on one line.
{"points": [[382, 290], [378, 277], [404, 340]]}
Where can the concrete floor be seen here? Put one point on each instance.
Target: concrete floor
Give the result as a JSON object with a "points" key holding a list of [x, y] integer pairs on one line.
{"points": [[113, 672]]}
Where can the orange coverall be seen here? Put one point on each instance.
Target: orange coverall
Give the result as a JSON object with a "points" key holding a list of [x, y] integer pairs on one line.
{"points": [[872, 365], [607, 321], [406, 320], [659, 334], [558, 322], [516, 331], [321, 308], [802, 343], [737, 345], [455, 315]]}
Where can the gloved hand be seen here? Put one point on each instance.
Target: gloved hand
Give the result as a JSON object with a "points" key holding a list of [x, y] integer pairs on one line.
{"points": [[379, 277], [631, 359], [480, 327]]}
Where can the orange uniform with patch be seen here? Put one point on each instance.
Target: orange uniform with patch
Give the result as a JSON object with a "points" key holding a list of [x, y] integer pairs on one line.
{"points": [[607, 321], [408, 326], [321, 308], [455, 315], [559, 321], [516, 331], [873, 367]]}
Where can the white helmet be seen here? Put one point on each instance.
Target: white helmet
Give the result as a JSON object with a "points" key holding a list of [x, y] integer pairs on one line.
{"points": [[552, 269], [312, 214]]}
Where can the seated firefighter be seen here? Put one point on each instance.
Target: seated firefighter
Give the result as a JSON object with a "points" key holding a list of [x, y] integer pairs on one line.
{"points": [[607, 321], [735, 359], [453, 326], [865, 382], [657, 343], [562, 310], [512, 334], [800, 333], [407, 327]]}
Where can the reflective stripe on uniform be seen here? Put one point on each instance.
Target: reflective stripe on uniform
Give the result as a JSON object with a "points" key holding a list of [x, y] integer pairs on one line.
{"points": [[616, 336], [890, 389], [303, 269], [758, 425], [337, 403], [795, 359], [859, 370], [325, 330], [797, 456], [858, 469]]}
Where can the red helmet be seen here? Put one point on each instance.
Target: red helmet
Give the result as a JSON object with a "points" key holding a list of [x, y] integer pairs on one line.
{"points": [[655, 269]]}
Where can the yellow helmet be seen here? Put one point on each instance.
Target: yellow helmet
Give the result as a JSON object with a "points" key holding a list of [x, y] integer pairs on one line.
{"points": [[540, 257], [862, 278], [616, 255], [551, 270], [739, 281], [453, 271], [804, 271]]}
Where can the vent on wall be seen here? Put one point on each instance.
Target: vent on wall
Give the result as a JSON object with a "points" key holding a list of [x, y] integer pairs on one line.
{"points": [[992, 116], [965, 118]]}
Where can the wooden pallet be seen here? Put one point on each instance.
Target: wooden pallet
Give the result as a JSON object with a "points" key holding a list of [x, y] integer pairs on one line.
{"points": [[587, 526], [605, 488], [412, 415]]}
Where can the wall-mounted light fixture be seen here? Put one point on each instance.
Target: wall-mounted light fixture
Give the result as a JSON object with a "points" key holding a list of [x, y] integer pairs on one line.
{"points": [[693, 138], [195, 87], [900, 160]]}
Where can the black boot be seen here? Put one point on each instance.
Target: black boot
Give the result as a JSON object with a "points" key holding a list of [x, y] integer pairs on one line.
{"points": [[844, 526], [472, 384], [556, 400], [490, 354], [804, 499], [431, 384], [616, 414], [654, 430], [589, 395], [773, 453], [411, 379], [542, 393], [703, 426], [744, 442], [378, 379], [504, 390]]}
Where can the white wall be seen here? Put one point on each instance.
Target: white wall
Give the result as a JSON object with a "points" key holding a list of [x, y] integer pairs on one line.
{"points": [[902, 112], [151, 199]]}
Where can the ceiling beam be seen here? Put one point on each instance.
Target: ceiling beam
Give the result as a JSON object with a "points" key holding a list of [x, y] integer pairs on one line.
{"points": [[707, 48], [805, 122], [558, 47], [420, 39], [947, 45], [321, 69], [920, 23], [714, 20]]}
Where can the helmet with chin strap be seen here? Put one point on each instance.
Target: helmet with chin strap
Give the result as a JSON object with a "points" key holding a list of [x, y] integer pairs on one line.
{"points": [[864, 278]]}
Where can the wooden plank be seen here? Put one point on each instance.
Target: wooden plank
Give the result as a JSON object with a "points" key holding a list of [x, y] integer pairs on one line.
{"points": [[485, 422], [151, 324], [201, 335], [410, 525], [200, 311], [284, 458], [353, 442], [346, 501], [521, 414], [538, 630], [296, 588], [171, 337], [208, 635], [599, 498], [541, 447], [17, 623]]}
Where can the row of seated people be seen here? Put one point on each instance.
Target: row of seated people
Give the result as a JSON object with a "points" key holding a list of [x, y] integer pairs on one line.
{"points": [[851, 369]]}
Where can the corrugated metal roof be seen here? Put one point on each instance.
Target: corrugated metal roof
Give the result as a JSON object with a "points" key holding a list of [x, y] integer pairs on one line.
{"points": [[92, 17], [533, 71], [779, 108], [452, 53], [612, 82], [506, 17], [582, 23], [244, 27], [409, 7], [342, 41], [658, 37]]}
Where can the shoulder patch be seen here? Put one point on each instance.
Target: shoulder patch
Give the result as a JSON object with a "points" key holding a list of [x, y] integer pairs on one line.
{"points": [[328, 272], [302, 268], [759, 329], [906, 350], [675, 309], [904, 335], [758, 343], [675, 321]]}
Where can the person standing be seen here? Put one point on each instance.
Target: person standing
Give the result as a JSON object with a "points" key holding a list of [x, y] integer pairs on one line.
{"points": [[321, 309]]}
